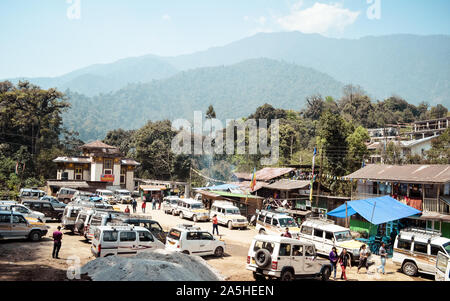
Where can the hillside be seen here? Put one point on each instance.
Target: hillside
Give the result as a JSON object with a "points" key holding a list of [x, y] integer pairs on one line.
{"points": [[235, 91], [105, 78], [415, 67]]}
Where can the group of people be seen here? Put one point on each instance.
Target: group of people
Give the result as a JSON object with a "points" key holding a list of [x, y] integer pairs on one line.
{"points": [[156, 204], [344, 260]]}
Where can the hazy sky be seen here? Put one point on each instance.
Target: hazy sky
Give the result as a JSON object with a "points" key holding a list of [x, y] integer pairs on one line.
{"points": [[53, 37]]}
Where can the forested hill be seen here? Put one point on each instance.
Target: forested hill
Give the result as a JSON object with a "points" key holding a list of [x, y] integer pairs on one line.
{"points": [[235, 91], [105, 78], [415, 67]]}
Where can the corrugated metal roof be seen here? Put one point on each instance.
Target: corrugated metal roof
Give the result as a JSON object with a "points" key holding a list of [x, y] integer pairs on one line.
{"points": [[265, 174], [245, 185], [286, 184], [69, 184], [412, 173]]}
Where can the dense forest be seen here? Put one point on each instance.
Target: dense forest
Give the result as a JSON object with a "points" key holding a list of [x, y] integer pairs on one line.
{"points": [[32, 134]]}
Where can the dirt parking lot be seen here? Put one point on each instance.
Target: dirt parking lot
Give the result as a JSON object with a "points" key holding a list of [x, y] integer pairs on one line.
{"points": [[25, 260]]}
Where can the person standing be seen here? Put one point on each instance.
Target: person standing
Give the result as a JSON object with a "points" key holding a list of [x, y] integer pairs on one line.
{"points": [[344, 261], [383, 255], [159, 203], [134, 205], [363, 254], [153, 203], [127, 210], [333, 260], [287, 233], [144, 204], [57, 238], [215, 224]]}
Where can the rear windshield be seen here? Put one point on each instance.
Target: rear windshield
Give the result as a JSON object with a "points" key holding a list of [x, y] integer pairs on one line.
{"points": [[264, 245], [447, 248], [174, 234]]}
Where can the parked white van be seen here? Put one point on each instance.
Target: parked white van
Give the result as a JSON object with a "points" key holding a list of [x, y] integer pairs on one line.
{"points": [[415, 250], [275, 223], [228, 215], [442, 267], [192, 209], [325, 235], [123, 240]]}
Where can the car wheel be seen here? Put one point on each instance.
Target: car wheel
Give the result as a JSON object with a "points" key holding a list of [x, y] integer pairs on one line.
{"points": [[218, 252], [230, 225], [35, 236], [287, 275], [258, 277], [262, 232], [173, 212], [326, 274], [181, 215], [195, 219], [409, 268]]}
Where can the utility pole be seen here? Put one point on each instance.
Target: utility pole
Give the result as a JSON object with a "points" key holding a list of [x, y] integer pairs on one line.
{"points": [[320, 178]]}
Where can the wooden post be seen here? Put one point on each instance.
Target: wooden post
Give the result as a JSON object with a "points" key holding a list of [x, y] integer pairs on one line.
{"points": [[320, 178], [437, 199], [346, 215]]}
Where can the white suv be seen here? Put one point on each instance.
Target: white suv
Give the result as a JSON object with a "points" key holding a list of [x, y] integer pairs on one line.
{"points": [[325, 235], [285, 258], [415, 250], [228, 215], [275, 223], [193, 240], [192, 209], [170, 204], [124, 240]]}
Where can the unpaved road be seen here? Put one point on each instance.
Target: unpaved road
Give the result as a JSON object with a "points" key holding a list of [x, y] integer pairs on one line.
{"points": [[25, 260]]}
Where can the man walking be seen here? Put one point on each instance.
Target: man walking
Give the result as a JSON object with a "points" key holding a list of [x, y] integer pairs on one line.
{"points": [[215, 224], [57, 237], [383, 255], [153, 203], [134, 205], [143, 206]]}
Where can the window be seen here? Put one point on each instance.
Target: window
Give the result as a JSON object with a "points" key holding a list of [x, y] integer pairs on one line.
{"points": [[108, 166], [145, 236], [329, 235], [5, 218], [156, 226], [318, 233], [192, 236], [404, 244], [123, 177], [435, 249], [127, 236], [420, 247], [35, 206], [309, 251], [268, 220], [285, 250], [263, 245], [261, 218], [110, 235], [19, 219], [64, 175], [46, 206], [306, 230], [206, 236], [174, 234], [275, 222], [78, 174], [297, 250]]}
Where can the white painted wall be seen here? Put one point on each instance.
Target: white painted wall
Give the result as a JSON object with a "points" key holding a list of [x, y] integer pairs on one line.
{"points": [[96, 171], [116, 173], [129, 181]]}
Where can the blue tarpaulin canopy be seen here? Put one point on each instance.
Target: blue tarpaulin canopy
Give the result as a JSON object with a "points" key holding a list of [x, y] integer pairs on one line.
{"points": [[376, 210]]}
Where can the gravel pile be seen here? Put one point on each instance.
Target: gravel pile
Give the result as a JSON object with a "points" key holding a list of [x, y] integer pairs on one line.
{"points": [[157, 265]]}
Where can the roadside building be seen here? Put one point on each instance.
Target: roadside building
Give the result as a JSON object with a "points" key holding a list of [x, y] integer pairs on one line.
{"points": [[426, 128], [424, 187], [98, 163]]}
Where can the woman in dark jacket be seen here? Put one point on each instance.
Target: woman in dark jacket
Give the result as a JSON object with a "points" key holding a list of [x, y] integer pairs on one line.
{"points": [[333, 260], [344, 261]]}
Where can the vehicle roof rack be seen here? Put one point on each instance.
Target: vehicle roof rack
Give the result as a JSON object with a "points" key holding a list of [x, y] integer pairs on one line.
{"points": [[420, 232], [321, 220], [189, 226]]}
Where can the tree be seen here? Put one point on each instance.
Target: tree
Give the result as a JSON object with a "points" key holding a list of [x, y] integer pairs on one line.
{"points": [[314, 107], [358, 151], [440, 149], [120, 138], [438, 111]]}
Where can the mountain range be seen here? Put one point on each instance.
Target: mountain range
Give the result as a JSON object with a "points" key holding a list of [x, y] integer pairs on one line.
{"points": [[278, 68]]}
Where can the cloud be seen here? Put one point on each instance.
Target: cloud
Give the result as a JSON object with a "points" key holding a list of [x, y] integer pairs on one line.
{"points": [[166, 17], [320, 18]]}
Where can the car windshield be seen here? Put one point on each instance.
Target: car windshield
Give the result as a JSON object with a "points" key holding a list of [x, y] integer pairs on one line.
{"points": [[107, 193], [343, 236], [197, 206], [447, 248], [287, 222], [125, 193], [233, 211]]}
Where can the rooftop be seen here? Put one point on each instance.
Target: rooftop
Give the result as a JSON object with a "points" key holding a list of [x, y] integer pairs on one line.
{"points": [[412, 173], [265, 174], [286, 184]]}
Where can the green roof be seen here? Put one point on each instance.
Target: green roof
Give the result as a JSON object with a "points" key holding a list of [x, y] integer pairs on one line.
{"points": [[236, 195]]}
